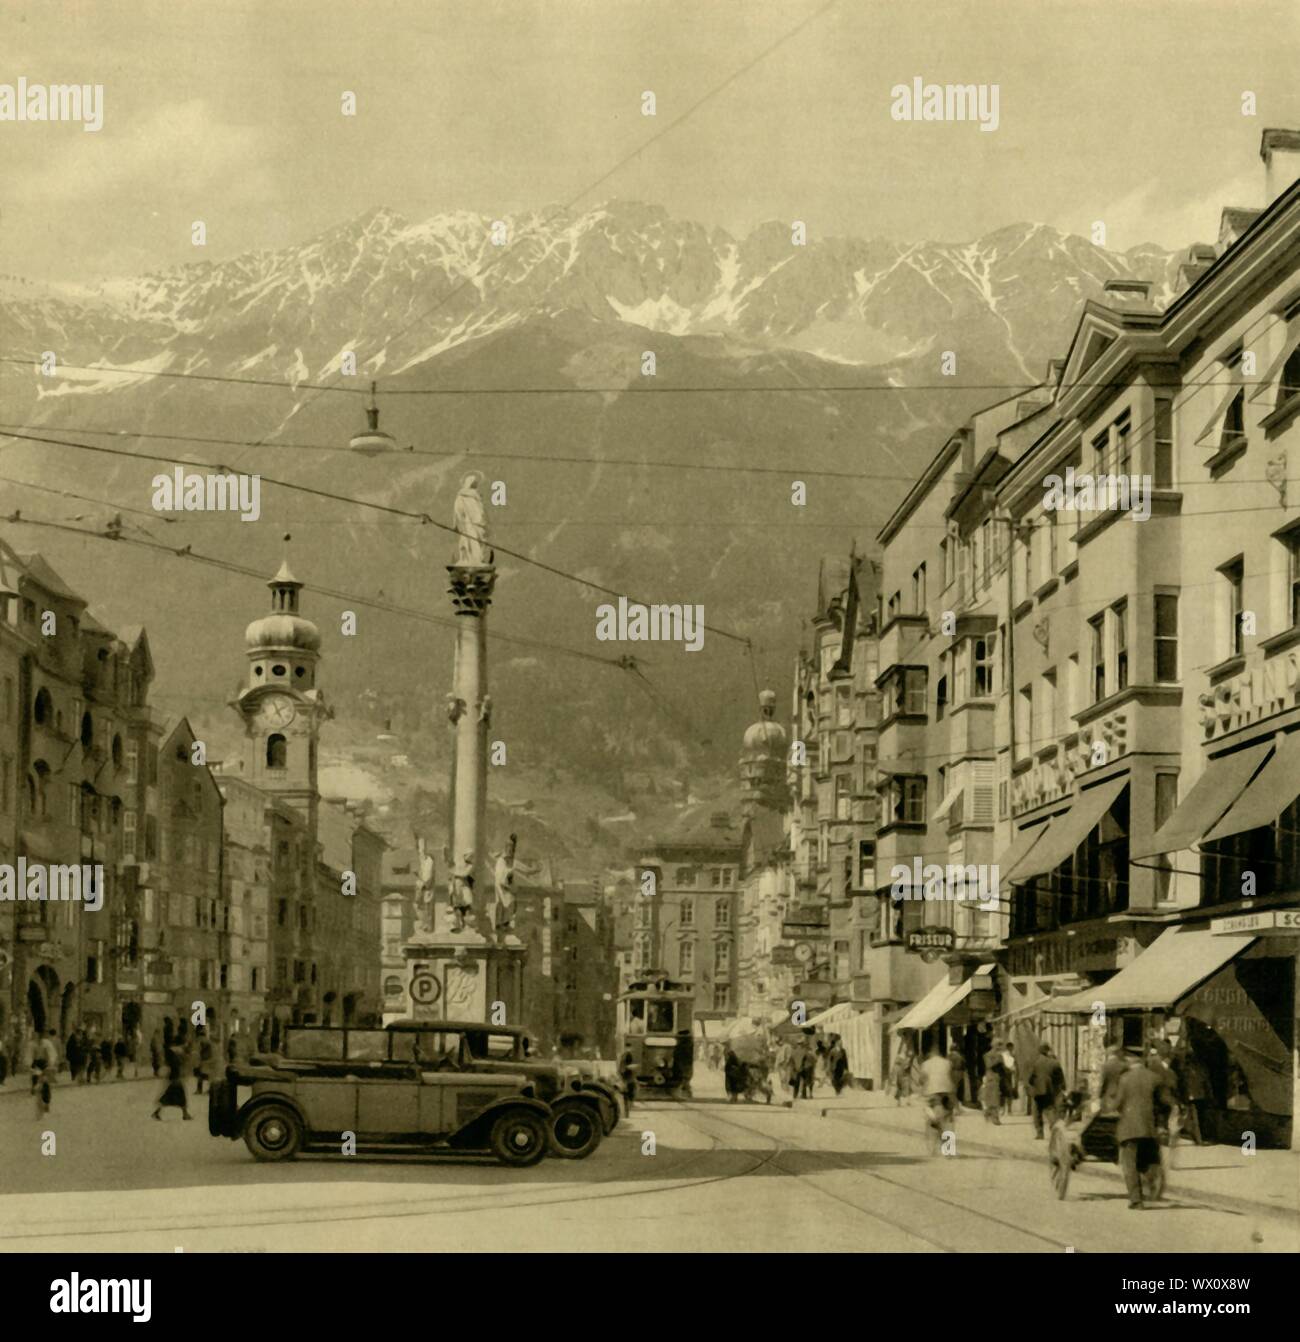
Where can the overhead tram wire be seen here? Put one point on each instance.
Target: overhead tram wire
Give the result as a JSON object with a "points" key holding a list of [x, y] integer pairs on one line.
{"points": [[243, 570], [311, 490]]}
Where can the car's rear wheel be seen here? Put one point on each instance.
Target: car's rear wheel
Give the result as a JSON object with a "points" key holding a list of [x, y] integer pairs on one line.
{"points": [[273, 1133], [518, 1137], [575, 1130]]}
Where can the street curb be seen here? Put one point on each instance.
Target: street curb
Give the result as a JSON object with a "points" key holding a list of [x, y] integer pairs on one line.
{"points": [[1226, 1200], [16, 1087]]}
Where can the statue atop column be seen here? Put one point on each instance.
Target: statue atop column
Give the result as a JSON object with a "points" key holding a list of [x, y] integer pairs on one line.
{"points": [[472, 549]]}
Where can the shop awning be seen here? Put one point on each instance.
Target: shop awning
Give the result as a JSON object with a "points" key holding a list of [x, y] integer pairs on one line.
{"points": [[1019, 849], [1211, 795], [1271, 791], [835, 1015], [938, 1002], [1068, 831], [1177, 961]]}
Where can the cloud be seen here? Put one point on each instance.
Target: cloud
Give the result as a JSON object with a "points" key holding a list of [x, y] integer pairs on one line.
{"points": [[178, 151], [1152, 213]]}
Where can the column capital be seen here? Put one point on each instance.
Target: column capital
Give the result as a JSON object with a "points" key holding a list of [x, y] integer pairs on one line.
{"points": [[471, 587]]}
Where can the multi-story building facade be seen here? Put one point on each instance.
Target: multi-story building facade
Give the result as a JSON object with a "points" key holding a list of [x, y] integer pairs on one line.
{"points": [[1158, 831], [833, 785], [686, 925], [192, 915], [72, 693], [247, 883]]}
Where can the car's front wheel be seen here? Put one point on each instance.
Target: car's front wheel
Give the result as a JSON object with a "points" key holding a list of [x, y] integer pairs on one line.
{"points": [[518, 1137], [273, 1133], [575, 1130]]}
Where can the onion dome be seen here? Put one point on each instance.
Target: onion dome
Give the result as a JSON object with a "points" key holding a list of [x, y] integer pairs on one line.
{"points": [[284, 628], [766, 736], [763, 759]]}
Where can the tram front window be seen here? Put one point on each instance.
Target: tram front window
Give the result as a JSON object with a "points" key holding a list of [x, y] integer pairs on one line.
{"points": [[660, 1017]]}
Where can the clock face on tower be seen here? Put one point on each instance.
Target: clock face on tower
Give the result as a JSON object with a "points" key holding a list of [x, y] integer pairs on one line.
{"points": [[277, 710]]}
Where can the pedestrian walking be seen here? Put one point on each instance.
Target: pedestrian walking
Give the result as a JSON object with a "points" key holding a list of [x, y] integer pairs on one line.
{"points": [[957, 1062], [4, 1060], [733, 1076], [173, 1096], [75, 1054], [992, 1086], [120, 1053], [232, 1050], [627, 1074], [203, 1046], [1009, 1079], [41, 1085], [939, 1089], [839, 1064], [1112, 1069], [900, 1076], [92, 1061], [156, 1052], [1046, 1081], [807, 1072], [49, 1050], [105, 1056], [1194, 1084], [1140, 1094]]}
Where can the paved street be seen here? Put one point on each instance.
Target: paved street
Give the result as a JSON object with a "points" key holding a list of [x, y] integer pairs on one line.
{"points": [[721, 1177]]}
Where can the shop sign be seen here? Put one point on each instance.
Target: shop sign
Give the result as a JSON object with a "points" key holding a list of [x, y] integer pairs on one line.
{"points": [[931, 940], [1268, 921], [792, 931], [1063, 954]]}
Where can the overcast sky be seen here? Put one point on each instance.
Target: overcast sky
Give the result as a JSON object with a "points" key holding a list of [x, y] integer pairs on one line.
{"points": [[229, 112]]}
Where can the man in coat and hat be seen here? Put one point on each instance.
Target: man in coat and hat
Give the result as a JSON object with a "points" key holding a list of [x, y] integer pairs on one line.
{"points": [[1141, 1095]]}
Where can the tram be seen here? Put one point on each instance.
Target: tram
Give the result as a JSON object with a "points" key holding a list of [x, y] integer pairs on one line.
{"points": [[654, 1026]]}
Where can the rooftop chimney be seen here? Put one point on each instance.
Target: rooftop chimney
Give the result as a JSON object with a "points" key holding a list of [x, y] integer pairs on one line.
{"points": [[1280, 150]]}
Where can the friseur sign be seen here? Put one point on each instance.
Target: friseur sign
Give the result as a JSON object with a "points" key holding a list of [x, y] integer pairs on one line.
{"points": [[931, 939]]}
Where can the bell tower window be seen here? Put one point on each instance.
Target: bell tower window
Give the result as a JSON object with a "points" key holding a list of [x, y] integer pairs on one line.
{"points": [[277, 752]]}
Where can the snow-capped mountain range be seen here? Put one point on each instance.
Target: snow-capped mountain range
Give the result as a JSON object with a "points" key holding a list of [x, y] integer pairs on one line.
{"points": [[443, 282], [804, 360]]}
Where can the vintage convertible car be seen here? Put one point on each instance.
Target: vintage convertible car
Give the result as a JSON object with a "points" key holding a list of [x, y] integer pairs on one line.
{"points": [[329, 1083], [585, 1109]]}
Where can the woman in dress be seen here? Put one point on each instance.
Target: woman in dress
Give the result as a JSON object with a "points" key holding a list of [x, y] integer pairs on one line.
{"points": [[173, 1097]]}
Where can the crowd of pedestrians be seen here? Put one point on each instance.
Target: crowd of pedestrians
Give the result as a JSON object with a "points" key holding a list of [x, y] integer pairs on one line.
{"points": [[89, 1058]]}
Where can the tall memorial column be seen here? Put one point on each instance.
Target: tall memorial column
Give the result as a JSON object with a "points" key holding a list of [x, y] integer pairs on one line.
{"points": [[458, 965]]}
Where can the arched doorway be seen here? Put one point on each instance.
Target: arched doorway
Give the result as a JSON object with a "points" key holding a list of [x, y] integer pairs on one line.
{"points": [[36, 1006]]}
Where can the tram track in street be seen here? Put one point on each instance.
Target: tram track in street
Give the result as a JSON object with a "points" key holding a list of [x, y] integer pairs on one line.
{"points": [[903, 1186], [447, 1205]]}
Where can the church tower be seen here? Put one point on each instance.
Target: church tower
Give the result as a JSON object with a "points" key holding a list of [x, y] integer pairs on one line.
{"points": [[280, 704]]}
